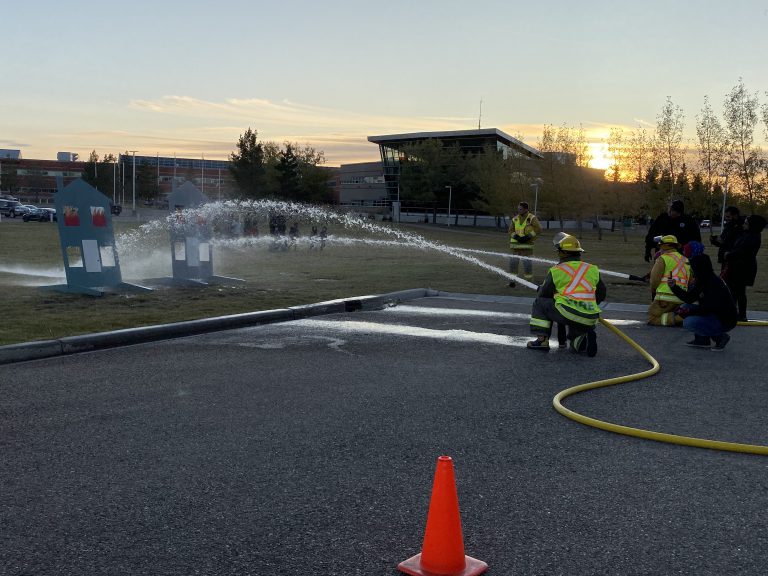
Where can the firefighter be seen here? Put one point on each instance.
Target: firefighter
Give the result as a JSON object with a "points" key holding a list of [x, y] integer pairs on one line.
{"points": [[522, 234], [570, 295], [669, 264]]}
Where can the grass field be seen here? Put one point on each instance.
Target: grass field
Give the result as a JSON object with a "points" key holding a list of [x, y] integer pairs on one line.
{"points": [[350, 265]]}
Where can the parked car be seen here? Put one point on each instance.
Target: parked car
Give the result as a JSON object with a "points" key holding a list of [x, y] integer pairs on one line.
{"points": [[705, 224], [20, 210], [7, 205], [40, 215]]}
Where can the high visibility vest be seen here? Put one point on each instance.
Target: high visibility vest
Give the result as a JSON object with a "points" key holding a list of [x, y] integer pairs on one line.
{"points": [[575, 286], [675, 266], [519, 228]]}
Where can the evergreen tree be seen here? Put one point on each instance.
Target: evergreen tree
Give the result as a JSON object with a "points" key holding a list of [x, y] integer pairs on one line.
{"points": [[247, 166], [288, 175]]}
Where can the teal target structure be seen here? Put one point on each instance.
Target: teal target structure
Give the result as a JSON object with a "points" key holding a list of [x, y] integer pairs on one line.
{"points": [[191, 239], [87, 242]]}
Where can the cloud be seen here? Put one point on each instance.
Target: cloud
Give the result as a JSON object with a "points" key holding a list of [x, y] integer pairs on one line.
{"points": [[288, 117]]}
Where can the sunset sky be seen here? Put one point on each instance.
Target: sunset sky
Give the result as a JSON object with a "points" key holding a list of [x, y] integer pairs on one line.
{"points": [[189, 77]]}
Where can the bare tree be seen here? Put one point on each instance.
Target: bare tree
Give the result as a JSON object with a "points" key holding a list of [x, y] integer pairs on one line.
{"points": [[640, 154], [713, 149], [622, 201], [713, 143], [740, 113], [668, 144]]}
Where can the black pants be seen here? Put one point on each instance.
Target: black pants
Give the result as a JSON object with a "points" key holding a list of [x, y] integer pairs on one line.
{"points": [[544, 313], [739, 293]]}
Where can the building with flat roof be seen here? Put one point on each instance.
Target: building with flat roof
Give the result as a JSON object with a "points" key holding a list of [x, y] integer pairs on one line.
{"points": [[362, 184], [393, 149]]}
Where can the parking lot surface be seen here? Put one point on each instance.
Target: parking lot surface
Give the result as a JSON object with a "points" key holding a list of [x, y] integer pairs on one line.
{"points": [[309, 447]]}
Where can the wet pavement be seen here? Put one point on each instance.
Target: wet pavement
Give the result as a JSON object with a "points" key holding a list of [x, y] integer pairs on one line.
{"points": [[309, 447]]}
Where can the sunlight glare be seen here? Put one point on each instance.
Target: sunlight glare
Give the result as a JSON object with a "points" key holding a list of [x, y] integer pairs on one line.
{"points": [[600, 157]]}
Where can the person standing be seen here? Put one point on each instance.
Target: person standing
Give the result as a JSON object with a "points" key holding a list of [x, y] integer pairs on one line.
{"points": [[715, 314], [733, 227], [522, 235], [570, 296], [740, 262], [674, 222], [669, 264]]}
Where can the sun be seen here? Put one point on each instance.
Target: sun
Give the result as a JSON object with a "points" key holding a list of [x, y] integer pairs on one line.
{"points": [[601, 159]]}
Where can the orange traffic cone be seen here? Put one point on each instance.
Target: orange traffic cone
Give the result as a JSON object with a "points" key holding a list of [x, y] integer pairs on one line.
{"points": [[443, 550]]}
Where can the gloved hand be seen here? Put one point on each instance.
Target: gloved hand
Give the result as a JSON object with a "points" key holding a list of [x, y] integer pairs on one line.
{"points": [[647, 254], [524, 239], [516, 237]]}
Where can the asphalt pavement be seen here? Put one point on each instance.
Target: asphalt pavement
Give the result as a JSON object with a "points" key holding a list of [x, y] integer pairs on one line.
{"points": [[304, 442]]}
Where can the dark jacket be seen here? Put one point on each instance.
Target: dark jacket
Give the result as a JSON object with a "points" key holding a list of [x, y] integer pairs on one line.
{"points": [[547, 289], [740, 263], [684, 229], [727, 238], [711, 293]]}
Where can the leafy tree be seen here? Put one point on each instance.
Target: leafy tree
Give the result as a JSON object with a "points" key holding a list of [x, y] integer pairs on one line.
{"points": [[668, 143], [713, 144], [314, 177], [567, 188], [740, 112], [10, 176], [422, 174], [247, 165], [491, 175], [623, 200], [713, 152], [146, 182], [100, 173]]}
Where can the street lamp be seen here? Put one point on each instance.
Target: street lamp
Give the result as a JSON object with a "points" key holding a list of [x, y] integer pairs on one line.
{"points": [[450, 190], [535, 186], [133, 210], [725, 195]]}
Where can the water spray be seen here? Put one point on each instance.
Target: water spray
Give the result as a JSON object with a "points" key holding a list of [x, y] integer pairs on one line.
{"points": [[219, 212], [552, 262]]}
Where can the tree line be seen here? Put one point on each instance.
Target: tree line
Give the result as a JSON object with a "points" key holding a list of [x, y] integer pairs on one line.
{"points": [[648, 168]]}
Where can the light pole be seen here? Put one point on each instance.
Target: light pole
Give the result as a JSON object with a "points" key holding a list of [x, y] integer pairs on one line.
{"points": [[725, 195], [133, 209], [450, 191], [535, 186]]}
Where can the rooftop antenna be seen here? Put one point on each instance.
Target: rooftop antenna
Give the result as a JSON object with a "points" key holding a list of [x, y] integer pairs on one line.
{"points": [[481, 114]]}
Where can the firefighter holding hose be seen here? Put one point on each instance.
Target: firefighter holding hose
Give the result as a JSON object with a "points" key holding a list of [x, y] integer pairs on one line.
{"points": [[570, 296]]}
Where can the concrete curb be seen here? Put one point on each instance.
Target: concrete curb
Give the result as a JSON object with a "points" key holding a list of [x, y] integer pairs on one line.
{"points": [[89, 342], [101, 340]]}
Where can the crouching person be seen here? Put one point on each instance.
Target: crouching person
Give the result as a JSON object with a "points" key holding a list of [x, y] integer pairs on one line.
{"points": [[569, 296], [715, 313]]}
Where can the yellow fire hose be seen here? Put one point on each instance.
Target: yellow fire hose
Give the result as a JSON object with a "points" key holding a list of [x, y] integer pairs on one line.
{"points": [[638, 432]]}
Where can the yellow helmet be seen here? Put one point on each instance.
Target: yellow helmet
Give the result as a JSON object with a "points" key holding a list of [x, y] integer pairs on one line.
{"points": [[668, 239], [567, 243]]}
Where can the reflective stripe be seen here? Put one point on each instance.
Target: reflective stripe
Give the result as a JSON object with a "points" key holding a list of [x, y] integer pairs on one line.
{"points": [[540, 323], [675, 266], [520, 227], [667, 297], [575, 317], [578, 288]]}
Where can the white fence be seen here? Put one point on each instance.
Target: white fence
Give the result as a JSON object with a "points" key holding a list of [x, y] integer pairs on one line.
{"points": [[493, 222]]}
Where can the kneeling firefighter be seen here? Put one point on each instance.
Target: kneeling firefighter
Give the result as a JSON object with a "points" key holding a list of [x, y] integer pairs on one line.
{"points": [[670, 264], [569, 296]]}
